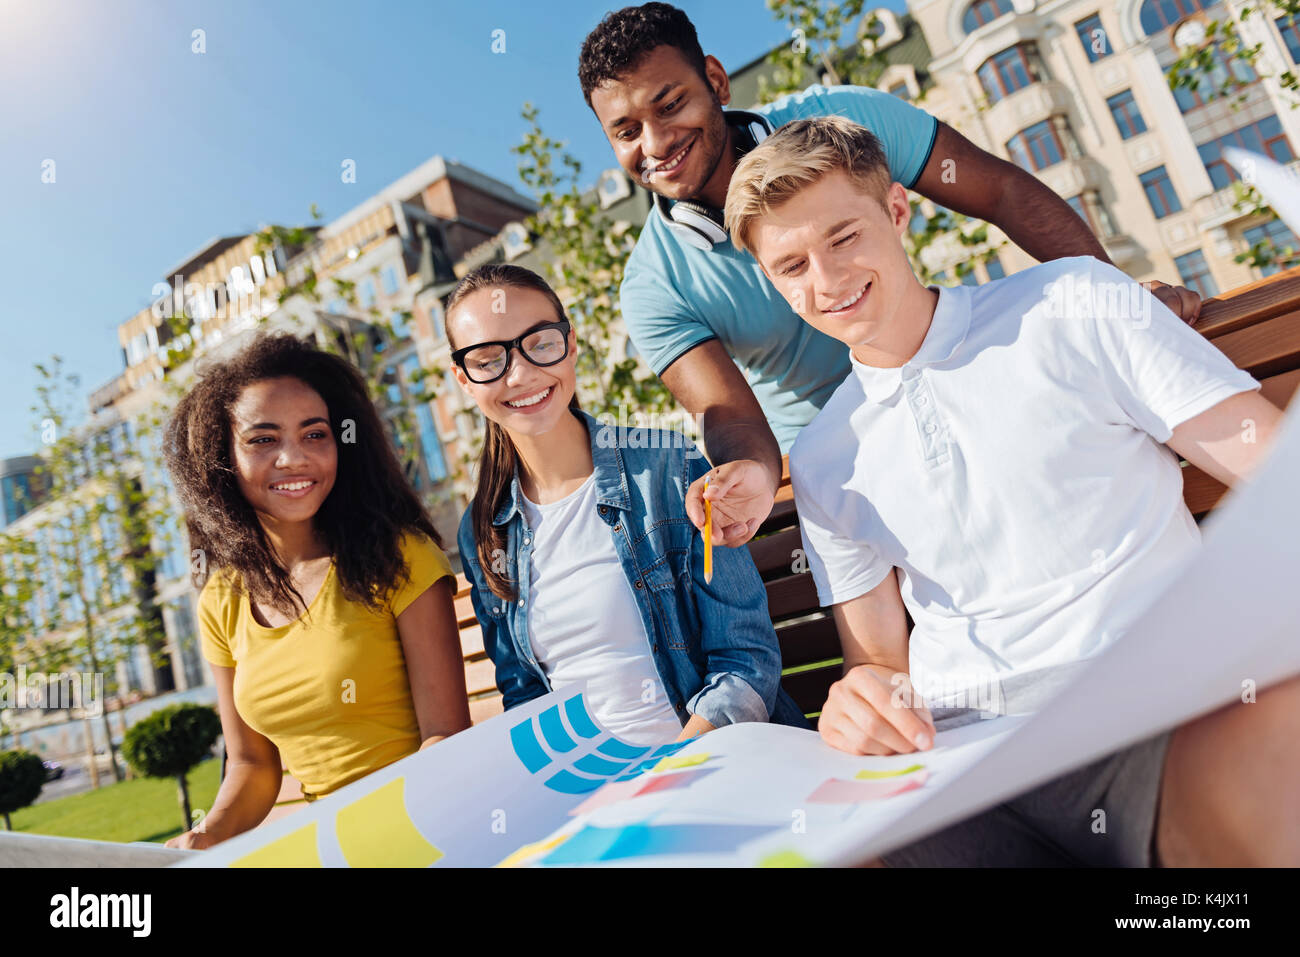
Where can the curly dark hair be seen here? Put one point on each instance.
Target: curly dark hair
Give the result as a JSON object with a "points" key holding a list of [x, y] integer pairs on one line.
{"points": [[624, 38], [363, 518]]}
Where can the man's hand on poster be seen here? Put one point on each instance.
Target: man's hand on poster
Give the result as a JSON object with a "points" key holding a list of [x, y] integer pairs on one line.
{"points": [[873, 709]]}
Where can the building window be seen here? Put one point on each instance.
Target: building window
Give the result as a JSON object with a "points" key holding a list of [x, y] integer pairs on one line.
{"points": [[1276, 240], [982, 12], [183, 635], [1093, 36], [1194, 272], [994, 267], [901, 90], [401, 328], [1158, 15], [1128, 118], [388, 276], [1263, 136], [1012, 69], [1289, 27], [966, 274], [1227, 73], [1160, 192], [430, 444], [1037, 147], [366, 293]]}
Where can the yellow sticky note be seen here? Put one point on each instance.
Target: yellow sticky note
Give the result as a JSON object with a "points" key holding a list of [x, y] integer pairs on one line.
{"points": [[785, 859], [871, 775], [377, 831], [295, 849], [532, 850], [675, 763]]}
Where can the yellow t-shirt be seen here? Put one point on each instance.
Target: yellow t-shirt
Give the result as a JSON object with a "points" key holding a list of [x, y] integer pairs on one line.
{"points": [[331, 691]]}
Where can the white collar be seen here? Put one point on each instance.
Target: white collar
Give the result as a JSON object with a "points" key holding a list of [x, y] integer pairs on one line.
{"points": [[947, 331]]}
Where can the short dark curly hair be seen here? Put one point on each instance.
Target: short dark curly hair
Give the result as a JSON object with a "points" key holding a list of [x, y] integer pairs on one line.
{"points": [[624, 38]]}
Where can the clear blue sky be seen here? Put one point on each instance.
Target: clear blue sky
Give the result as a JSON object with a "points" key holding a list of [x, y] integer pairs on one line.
{"points": [[158, 149]]}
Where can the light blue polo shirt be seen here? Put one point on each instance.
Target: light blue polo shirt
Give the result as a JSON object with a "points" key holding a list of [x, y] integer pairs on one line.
{"points": [[675, 296]]}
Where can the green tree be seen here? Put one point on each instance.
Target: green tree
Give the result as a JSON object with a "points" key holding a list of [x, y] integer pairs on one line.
{"points": [[17, 589], [817, 30], [1196, 68], [84, 528], [169, 742], [22, 775]]}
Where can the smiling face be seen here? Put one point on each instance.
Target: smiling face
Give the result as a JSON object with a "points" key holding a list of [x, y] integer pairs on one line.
{"points": [[665, 124], [528, 399], [283, 449], [837, 257]]}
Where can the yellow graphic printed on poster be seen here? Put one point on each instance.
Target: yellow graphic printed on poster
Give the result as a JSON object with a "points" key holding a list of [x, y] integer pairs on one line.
{"points": [[377, 831], [295, 849]]}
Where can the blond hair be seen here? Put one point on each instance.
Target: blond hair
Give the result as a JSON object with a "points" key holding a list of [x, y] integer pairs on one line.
{"points": [[797, 155]]}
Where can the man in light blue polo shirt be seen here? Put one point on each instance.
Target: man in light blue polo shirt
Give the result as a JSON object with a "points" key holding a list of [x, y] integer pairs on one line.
{"points": [[702, 314], [791, 367]]}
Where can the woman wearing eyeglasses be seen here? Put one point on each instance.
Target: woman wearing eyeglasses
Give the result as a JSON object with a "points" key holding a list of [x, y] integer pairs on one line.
{"points": [[583, 565]]}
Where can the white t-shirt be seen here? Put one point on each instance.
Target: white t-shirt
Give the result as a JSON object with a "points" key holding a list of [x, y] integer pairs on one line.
{"points": [[583, 622], [1013, 472]]}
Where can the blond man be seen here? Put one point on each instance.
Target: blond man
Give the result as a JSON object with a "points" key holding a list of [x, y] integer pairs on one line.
{"points": [[997, 465]]}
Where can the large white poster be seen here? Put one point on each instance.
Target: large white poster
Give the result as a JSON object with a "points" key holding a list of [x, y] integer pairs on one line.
{"points": [[545, 784]]}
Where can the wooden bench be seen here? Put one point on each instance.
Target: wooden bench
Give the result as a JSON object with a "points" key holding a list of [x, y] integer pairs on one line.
{"points": [[1256, 326]]}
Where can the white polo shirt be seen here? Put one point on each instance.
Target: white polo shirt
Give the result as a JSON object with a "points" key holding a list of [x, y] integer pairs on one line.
{"points": [[1013, 472]]}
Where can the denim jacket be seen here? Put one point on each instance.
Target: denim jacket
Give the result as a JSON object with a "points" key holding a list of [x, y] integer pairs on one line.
{"points": [[713, 644]]}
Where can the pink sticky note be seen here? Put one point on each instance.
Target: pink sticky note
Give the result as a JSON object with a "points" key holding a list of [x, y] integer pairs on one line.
{"points": [[668, 782], [839, 791], [609, 794]]}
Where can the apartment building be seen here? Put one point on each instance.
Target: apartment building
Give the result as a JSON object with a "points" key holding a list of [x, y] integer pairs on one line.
{"points": [[1075, 91]]}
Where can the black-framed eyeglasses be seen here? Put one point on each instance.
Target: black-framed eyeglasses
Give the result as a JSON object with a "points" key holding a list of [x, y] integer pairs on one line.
{"points": [[542, 345]]}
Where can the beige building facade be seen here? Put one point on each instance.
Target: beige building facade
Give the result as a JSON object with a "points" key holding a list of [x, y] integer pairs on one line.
{"points": [[1076, 92]]}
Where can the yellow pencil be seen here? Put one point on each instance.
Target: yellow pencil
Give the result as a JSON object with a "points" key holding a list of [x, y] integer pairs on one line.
{"points": [[708, 536]]}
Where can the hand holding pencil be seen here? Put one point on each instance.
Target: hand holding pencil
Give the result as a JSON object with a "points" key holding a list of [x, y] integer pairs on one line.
{"points": [[739, 495]]}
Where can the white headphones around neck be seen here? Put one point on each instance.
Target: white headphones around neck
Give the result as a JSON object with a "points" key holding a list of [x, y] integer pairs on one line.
{"points": [[698, 224]]}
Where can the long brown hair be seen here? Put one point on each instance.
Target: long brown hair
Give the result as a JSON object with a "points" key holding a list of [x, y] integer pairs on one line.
{"points": [[361, 520], [499, 459]]}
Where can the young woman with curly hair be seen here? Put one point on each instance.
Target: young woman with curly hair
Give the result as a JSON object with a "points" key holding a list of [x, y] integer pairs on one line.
{"points": [[327, 615]]}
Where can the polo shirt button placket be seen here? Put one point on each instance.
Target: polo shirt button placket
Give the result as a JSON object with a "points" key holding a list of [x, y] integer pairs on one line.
{"points": [[925, 414]]}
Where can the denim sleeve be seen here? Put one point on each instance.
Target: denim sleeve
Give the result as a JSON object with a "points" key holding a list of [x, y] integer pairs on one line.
{"points": [[515, 680], [740, 645]]}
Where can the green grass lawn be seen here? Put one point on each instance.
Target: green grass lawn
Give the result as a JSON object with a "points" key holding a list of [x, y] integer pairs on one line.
{"points": [[142, 809]]}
